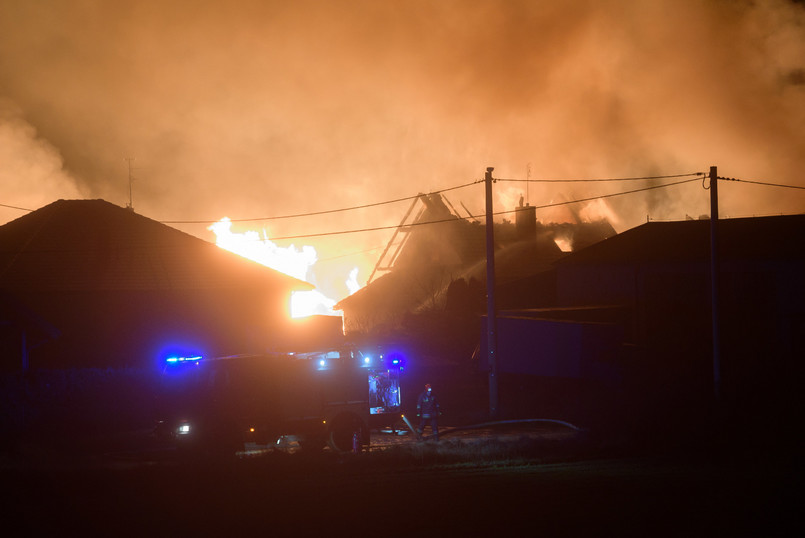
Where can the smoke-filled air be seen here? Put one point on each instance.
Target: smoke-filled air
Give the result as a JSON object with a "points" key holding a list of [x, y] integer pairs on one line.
{"points": [[192, 111]]}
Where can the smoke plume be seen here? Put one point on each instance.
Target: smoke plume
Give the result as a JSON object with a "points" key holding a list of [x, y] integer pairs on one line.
{"points": [[262, 107]]}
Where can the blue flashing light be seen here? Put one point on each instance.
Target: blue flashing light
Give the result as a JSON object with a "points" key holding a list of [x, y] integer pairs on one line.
{"points": [[174, 360]]}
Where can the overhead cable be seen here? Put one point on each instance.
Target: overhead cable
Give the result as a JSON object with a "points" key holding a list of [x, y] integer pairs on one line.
{"points": [[325, 212], [591, 180], [15, 207], [762, 183], [364, 206], [616, 194], [455, 219]]}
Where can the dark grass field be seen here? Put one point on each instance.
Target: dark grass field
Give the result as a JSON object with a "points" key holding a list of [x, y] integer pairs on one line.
{"points": [[62, 476], [515, 486]]}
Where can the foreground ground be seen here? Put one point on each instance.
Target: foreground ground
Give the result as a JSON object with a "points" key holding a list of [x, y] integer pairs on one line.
{"points": [[535, 482]]}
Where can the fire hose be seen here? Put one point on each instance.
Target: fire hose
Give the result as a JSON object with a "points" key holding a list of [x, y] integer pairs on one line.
{"points": [[408, 423], [495, 423]]}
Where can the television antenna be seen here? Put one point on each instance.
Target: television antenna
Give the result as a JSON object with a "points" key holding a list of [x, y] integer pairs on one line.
{"points": [[527, 181], [130, 205]]}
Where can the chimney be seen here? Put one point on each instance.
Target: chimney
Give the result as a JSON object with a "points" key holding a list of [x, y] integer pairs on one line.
{"points": [[526, 222]]}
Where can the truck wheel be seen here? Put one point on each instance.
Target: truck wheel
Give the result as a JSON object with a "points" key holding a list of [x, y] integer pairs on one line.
{"points": [[342, 433]]}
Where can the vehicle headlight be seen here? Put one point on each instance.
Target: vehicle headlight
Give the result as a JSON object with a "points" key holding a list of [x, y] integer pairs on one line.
{"points": [[183, 429]]}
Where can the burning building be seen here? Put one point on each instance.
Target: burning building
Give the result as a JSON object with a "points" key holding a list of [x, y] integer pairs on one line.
{"points": [[88, 283], [436, 261]]}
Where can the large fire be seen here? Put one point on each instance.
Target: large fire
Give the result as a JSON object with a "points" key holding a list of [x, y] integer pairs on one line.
{"points": [[290, 260]]}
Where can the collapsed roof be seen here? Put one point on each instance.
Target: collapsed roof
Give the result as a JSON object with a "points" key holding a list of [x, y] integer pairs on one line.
{"points": [[439, 248]]}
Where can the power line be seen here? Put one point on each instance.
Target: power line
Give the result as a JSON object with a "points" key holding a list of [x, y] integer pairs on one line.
{"points": [[762, 183], [325, 212], [15, 207], [364, 206], [617, 193], [349, 254], [591, 180], [455, 219], [565, 180], [469, 217]]}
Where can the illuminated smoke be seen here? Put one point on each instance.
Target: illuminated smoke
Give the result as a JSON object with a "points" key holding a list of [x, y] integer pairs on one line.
{"points": [[31, 172], [259, 108]]}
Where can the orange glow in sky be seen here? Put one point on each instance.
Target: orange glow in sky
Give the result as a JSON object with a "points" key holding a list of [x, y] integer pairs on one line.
{"points": [[259, 108]]}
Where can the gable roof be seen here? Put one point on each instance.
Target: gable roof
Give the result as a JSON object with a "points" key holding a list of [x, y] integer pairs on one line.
{"points": [[93, 245], [755, 238]]}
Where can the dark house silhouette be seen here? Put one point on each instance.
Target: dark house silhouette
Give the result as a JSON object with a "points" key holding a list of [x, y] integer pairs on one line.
{"points": [[86, 283], [635, 311], [21, 330]]}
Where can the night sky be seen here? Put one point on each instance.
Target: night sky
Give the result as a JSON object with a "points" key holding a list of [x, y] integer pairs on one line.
{"points": [[263, 108]]}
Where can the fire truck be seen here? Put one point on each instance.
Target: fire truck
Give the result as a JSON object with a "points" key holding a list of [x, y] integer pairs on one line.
{"points": [[322, 398]]}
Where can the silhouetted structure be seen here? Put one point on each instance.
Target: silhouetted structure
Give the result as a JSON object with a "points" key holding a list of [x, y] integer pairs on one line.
{"points": [[441, 265], [119, 289], [21, 330], [633, 311]]}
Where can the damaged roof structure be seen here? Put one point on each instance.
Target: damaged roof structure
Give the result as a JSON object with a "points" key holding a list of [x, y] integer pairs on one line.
{"points": [[621, 324], [440, 264], [114, 288]]}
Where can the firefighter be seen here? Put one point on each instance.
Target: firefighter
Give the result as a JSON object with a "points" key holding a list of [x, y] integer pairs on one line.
{"points": [[427, 408]]}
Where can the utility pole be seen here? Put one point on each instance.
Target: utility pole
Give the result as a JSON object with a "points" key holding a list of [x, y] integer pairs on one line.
{"points": [[714, 282], [491, 321]]}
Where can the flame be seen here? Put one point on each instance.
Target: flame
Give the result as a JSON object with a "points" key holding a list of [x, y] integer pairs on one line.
{"points": [[352, 281], [308, 303], [563, 243], [290, 260], [599, 210]]}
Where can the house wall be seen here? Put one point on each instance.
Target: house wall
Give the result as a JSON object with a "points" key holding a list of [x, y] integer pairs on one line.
{"points": [[670, 360], [579, 285], [550, 348], [133, 328]]}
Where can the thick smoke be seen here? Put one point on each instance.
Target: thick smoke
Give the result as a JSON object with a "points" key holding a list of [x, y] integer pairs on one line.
{"points": [[31, 169], [259, 108]]}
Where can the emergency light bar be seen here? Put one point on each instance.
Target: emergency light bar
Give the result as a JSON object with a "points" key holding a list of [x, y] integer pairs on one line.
{"points": [[174, 360]]}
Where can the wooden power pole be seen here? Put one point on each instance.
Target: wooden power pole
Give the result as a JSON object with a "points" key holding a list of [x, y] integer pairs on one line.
{"points": [[491, 321], [715, 269]]}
